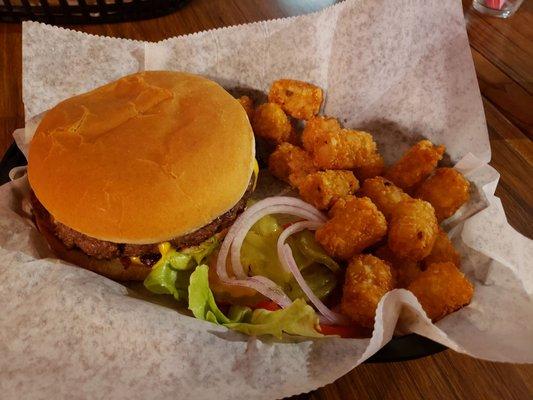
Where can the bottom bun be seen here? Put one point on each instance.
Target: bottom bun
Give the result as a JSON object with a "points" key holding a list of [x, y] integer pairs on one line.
{"points": [[112, 269]]}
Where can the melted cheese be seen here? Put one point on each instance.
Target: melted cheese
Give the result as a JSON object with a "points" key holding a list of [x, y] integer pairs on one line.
{"points": [[255, 173], [164, 248], [136, 260]]}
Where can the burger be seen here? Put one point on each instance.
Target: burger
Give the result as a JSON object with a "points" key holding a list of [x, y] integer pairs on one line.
{"points": [[147, 179], [154, 157]]}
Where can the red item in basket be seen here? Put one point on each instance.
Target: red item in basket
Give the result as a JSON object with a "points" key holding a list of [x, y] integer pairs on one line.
{"points": [[495, 4]]}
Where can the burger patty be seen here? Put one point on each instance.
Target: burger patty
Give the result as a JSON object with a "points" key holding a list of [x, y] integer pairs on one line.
{"points": [[102, 249]]}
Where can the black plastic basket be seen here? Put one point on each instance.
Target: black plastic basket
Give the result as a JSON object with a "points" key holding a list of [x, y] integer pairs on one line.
{"points": [[85, 11]]}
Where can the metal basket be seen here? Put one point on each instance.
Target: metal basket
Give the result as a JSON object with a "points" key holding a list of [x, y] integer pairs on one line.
{"points": [[85, 11]]}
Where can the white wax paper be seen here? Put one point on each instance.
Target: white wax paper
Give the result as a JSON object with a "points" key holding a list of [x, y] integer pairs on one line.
{"points": [[401, 71]]}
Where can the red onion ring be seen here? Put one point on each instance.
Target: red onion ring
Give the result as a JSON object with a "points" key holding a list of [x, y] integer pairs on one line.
{"points": [[264, 286], [241, 226], [235, 237], [287, 259], [249, 220]]}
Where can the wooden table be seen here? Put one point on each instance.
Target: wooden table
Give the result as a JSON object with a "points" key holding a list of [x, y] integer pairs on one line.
{"points": [[503, 56]]}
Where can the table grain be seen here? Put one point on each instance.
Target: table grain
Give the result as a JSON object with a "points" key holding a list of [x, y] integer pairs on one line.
{"points": [[502, 51]]}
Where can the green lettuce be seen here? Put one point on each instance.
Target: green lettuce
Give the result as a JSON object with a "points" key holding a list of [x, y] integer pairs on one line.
{"points": [[183, 275], [201, 252], [162, 280], [259, 257], [297, 319], [259, 254], [321, 281], [306, 243], [170, 275], [202, 302]]}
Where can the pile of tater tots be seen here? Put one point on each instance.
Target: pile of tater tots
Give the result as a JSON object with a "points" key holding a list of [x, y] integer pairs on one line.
{"points": [[383, 220]]}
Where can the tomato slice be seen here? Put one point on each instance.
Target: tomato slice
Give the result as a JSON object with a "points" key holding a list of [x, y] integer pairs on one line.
{"points": [[340, 330], [285, 226], [267, 305]]}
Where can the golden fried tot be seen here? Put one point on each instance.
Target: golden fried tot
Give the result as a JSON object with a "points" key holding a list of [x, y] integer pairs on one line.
{"points": [[367, 280], [446, 190], [333, 147], [290, 164], [248, 104], [374, 166], [442, 289], [443, 251], [323, 188], [270, 122], [412, 229], [403, 271], [384, 194], [415, 165], [299, 99], [317, 129], [355, 224]]}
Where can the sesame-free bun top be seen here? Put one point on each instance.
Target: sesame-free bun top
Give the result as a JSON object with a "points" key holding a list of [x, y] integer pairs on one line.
{"points": [[144, 159]]}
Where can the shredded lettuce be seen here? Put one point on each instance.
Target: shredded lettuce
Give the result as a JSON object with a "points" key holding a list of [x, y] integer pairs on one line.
{"points": [[297, 319]]}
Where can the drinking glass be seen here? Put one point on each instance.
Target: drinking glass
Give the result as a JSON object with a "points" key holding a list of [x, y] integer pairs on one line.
{"points": [[497, 8]]}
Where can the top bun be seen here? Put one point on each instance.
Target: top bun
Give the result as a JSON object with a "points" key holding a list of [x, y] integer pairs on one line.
{"points": [[144, 159]]}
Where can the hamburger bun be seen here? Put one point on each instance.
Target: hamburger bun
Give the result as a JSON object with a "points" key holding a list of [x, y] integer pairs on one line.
{"points": [[150, 157]]}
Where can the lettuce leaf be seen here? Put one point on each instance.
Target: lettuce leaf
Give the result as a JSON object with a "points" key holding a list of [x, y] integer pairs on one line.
{"points": [[306, 243], [178, 261], [170, 275], [297, 319], [162, 280], [259, 257], [201, 252], [259, 253], [321, 281], [201, 300]]}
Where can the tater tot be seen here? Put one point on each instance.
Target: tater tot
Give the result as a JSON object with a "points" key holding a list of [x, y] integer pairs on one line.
{"points": [[355, 224], [403, 271], [442, 251], [412, 229], [299, 99], [415, 165], [375, 165], [333, 147], [367, 280], [446, 190], [290, 164], [270, 122], [442, 289], [323, 188], [248, 105], [317, 129], [384, 194]]}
